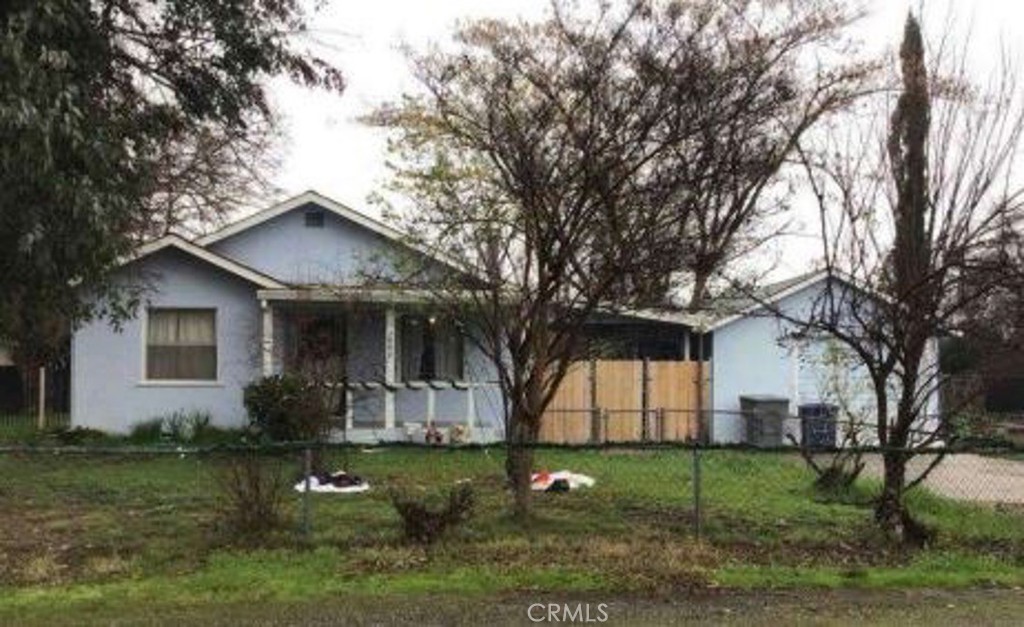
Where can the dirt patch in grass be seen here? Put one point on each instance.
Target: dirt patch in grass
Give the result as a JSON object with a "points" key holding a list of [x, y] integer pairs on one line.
{"points": [[42, 546]]}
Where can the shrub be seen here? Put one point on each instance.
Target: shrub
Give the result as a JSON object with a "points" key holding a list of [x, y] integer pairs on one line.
{"points": [[147, 432], [251, 507], [286, 408], [77, 436], [220, 435], [425, 521], [193, 427], [186, 427]]}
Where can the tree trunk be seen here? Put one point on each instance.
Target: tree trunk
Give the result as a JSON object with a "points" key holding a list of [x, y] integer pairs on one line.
{"points": [[700, 288], [519, 464], [890, 512]]}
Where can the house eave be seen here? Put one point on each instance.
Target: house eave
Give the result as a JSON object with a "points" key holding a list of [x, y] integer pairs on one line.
{"points": [[347, 295], [233, 267]]}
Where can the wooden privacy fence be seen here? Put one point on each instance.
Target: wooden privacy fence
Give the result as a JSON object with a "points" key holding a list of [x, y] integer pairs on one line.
{"points": [[625, 401]]}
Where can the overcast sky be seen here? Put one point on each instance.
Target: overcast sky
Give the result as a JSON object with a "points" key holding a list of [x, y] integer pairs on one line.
{"points": [[328, 150]]}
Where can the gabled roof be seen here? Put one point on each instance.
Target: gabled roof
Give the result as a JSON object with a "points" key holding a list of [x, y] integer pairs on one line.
{"points": [[335, 207], [305, 198], [741, 305], [228, 265]]}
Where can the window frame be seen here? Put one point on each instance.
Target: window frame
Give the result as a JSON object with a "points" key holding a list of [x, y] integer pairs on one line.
{"points": [[146, 381], [400, 353]]}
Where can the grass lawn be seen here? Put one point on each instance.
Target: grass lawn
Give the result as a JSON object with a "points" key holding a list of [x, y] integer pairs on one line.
{"points": [[89, 535]]}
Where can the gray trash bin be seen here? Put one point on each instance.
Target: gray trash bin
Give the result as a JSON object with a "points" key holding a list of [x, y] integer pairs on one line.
{"points": [[764, 415]]}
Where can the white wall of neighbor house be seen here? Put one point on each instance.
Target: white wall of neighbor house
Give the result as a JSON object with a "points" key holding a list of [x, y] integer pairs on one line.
{"points": [[109, 389], [754, 355], [747, 360]]}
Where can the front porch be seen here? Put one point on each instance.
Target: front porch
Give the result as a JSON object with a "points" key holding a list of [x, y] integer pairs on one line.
{"points": [[403, 368]]}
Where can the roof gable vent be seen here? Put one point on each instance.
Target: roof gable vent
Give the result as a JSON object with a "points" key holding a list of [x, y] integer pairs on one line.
{"points": [[314, 219]]}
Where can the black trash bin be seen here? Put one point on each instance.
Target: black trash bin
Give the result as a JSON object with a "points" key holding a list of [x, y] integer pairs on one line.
{"points": [[818, 425]]}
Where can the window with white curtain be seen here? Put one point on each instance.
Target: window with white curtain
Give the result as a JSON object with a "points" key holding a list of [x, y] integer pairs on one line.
{"points": [[430, 348], [181, 344]]}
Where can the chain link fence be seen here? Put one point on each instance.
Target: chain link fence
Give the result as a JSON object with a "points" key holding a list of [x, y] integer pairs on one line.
{"points": [[107, 504]]}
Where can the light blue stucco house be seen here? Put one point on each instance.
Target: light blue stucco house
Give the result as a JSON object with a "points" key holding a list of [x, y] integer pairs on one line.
{"points": [[262, 296], [287, 286]]}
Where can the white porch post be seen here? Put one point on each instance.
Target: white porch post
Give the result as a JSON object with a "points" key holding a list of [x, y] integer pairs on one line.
{"points": [[349, 410], [470, 407], [267, 346], [431, 406], [389, 367]]}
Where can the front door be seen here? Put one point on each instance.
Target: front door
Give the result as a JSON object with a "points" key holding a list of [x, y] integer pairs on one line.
{"points": [[316, 344]]}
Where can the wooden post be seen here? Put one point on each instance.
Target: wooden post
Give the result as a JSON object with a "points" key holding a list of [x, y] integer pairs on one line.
{"points": [[703, 433], [307, 512], [595, 411], [645, 399], [41, 416]]}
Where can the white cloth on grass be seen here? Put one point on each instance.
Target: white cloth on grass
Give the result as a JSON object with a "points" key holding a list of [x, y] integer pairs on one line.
{"points": [[329, 488], [541, 481]]}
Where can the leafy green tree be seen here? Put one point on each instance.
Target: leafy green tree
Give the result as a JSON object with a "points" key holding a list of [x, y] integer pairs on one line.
{"points": [[95, 98]]}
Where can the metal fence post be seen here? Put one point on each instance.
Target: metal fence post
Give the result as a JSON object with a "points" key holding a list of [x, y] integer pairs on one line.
{"points": [[307, 518], [41, 408], [696, 490]]}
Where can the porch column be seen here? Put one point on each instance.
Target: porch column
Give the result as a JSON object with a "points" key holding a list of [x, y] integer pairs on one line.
{"points": [[389, 367], [349, 410], [267, 345], [470, 407], [794, 378]]}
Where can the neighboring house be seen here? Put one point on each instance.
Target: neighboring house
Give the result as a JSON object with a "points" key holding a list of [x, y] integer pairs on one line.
{"points": [[756, 354], [11, 385], [19, 390], [285, 288]]}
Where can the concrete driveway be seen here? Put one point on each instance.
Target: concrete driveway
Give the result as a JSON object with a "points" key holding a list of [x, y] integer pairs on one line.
{"points": [[966, 477]]}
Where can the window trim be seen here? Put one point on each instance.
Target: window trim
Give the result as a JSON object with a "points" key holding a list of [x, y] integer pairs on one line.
{"points": [[145, 381]]}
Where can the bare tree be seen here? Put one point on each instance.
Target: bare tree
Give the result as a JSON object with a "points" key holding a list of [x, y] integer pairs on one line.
{"points": [[541, 159], [909, 215], [529, 147], [773, 74], [202, 178]]}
